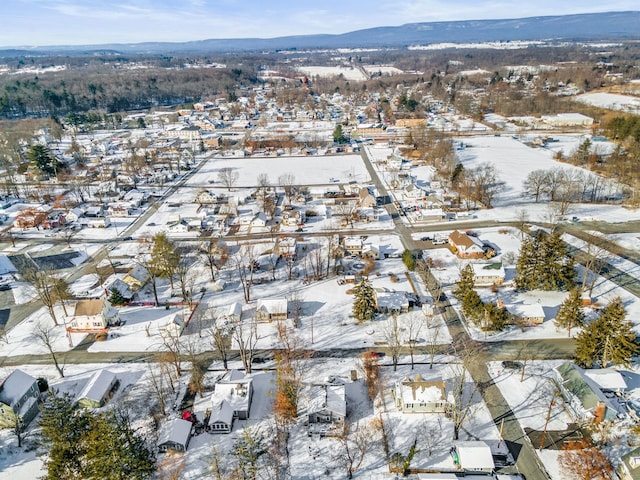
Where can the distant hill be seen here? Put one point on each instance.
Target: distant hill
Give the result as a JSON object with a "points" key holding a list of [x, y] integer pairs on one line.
{"points": [[592, 26]]}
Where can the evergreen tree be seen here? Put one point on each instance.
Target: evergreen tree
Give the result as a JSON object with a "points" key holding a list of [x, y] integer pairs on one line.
{"points": [[608, 340], [116, 298], [496, 317], [111, 441], [364, 304], [472, 306], [79, 444], [63, 428], [570, 313], [165, 258], [544, 264], [409, 260], [41, 158], [338, 134], [465, 283]]}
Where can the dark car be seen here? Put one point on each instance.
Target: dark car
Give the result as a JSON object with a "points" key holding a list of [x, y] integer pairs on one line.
{"points": [[511, 365], [4, 287]]}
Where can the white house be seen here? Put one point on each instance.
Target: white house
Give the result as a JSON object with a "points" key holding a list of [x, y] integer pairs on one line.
{"points": [[271, 309], [221, 418], [97, 390], [474, 457], [175, 435], [94, 314], [420, 396], [237, 390], [323, 408], [488, 274]]}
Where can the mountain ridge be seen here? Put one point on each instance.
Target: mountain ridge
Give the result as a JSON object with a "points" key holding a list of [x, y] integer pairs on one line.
{"points": [[575, 27]]}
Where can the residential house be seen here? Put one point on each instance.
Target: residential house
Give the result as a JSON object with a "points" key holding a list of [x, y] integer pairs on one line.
{"points": [[136, 278], [178, 226], [324, 408], [582, 394], [629, 466], [234, 314], [19, 394], [466, 246], [173, 328], [175, 436], [237, 390], [353, 245], [73, 215], [203, 197], [271, 309], [371, 251], [121, 287], [221, 418], [98, 389], [420, 396], [488, 274], [365, 199], [474, 457], [287, 247], [118, 210], [293, 218], [524, 314], [392, 302], [93, 315]]}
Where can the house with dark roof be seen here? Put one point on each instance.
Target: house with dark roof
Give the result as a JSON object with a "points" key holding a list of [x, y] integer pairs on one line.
{"points": [[466, 246], [19, 396], [323, 408], [583, 395]]}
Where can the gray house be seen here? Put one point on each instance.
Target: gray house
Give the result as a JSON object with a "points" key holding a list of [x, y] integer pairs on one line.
{"points": [[19, 396], [175, 436]]}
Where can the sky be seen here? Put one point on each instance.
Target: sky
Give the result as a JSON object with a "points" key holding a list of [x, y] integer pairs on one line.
{"points": [[83, 22]]}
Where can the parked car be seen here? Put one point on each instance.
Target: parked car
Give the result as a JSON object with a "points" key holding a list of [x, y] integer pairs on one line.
{"points": [[511, 365], [4, 287]]}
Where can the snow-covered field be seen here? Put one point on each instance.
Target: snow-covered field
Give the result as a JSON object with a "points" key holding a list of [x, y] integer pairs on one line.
{"points": [[349, 73], [612, 101]]}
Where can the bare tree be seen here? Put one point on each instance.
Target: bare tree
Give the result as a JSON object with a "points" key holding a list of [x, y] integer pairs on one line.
{"points": [[349, 211], [288, 182], [228, 177], [220, 336], [392, 333], [159, 386], [412, 325], [214, 255], [44, 283], [464, 404], [46, 336], [595, 258], [245, 334], [245, 264], [536, 184], [355, 441], [172, 347], [18, 428]]}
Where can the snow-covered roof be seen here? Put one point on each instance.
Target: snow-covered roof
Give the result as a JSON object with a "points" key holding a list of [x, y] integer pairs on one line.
{"points": [[420, 391], [177, 431], [98, 386], [235, 310], [5, 265], [607, 378], [488, 269], [15, 386], [330, 397], [272, 305], [474, 455], [526, 311], [221, 412], [235, 389]]}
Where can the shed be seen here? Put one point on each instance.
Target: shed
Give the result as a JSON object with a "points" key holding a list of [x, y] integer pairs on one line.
{"points": [[175, 436], [474, 456], [98, 389]]}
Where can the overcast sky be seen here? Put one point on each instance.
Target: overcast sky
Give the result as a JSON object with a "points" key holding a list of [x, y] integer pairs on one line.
{"points": [[73, 22]]}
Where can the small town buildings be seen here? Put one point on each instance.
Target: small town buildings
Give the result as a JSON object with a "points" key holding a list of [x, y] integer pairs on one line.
{"points": [[19, 396], [237, 390], [98, 389], [136, 278], [488, 274], [234, 314], [271, 309], [466, 246], [567, 120], [420, 396], [584, 397], [221, 418], [93, 315], [175, 436], [524, 314], [392, 302], [353, 245], [324, 408], [474, 457]]}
